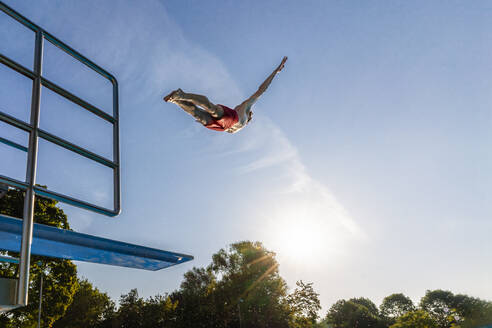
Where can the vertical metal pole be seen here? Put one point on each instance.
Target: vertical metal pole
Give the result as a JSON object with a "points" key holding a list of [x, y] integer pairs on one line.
{"points": [[40, 300], [239, 310], [32, 159], [116, 150]]}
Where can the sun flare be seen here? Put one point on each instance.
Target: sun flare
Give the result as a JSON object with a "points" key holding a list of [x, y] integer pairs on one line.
{"points": [[300, 239], [304, 235]]}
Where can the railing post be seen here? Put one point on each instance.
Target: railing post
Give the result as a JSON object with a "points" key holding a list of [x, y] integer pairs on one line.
{"points": [[32, 158]]}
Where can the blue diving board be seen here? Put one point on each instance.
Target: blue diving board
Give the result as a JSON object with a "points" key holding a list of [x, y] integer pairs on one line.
{"points": [[66, 244]]}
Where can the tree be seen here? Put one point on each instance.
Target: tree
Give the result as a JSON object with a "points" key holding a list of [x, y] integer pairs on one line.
{"points": [[89, 308], [465, 306], [448, 309], [304, 304], [395, 306], [199, 302], [322, 324], [353, 313], [415, 319], [439, 304], [241, 286], [135, 312], [159, 312], [248, 279], [373, 309], [94, 309], [130, 312], [60, 276], [479, 318]]}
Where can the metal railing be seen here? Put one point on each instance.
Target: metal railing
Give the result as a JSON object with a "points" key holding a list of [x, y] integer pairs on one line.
{"points": [[29, 185]]}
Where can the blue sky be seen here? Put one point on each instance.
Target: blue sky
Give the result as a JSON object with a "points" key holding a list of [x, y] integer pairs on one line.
{"points": [[366, 167]]}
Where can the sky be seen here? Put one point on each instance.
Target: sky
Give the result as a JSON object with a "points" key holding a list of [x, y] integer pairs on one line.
{"points": [[366, 167]]}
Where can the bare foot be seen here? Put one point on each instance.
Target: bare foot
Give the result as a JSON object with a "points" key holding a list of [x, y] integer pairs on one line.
{"points": [[169, 96], [173, 95]]}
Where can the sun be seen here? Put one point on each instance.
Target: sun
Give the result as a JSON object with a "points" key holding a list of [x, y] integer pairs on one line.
{"points": [[299, 238], [302, 236]]}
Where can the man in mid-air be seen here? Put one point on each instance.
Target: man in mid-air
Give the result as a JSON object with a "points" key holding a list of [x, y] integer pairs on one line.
{"points": [[220, 117]]}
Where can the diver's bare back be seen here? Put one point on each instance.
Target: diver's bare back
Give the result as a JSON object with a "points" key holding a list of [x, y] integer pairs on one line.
{"points": [[216, 116]]}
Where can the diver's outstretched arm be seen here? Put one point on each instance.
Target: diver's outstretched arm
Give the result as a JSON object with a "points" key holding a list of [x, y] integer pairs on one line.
{"points": [[264, 85], [269, 79]]}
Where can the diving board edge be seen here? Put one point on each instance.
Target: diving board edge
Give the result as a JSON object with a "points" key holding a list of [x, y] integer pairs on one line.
{"points": [[60, 243]]}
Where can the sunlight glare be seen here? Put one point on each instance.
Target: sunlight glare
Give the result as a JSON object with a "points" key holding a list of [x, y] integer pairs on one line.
{"points": [[304, 235]]}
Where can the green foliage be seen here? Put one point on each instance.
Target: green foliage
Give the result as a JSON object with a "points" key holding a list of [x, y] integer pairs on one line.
{"points": [[130, 313], [241, 286], [159, 311], [60, 276], [439, 304], [356, 312], [438, 309], [88, 309], [394, 306], [133, 312], [479, 318], [373, 309], [304, 304], [453, 310], [470, 312], [471, 308], [322, 324], [415, 319], [45, 210]]}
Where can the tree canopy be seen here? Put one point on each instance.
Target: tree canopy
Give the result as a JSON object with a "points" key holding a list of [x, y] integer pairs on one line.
{"points": [[396, 305], [242, 285], [305, 305], [356, 312], [437, 309], [415, 319], [89, 308]]}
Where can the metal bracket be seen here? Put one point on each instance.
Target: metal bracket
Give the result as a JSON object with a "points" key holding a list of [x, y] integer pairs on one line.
{"points": [[8, 288]]}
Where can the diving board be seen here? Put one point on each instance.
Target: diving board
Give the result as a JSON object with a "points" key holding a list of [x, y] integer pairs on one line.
{"points": [[66, 244]]}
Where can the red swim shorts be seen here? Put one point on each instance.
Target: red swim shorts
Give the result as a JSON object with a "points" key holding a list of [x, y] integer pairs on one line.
{"points": [[227, 120]]}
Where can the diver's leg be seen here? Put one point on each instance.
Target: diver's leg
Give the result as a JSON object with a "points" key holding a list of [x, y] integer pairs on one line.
{"points": [[200, 115], [201, 101]]}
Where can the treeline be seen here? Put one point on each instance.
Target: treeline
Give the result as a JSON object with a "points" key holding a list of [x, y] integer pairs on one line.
{"points": [[240, 288], [436, 309]]}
